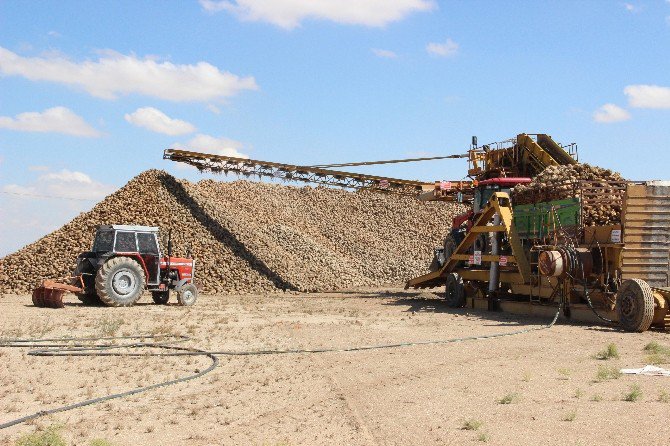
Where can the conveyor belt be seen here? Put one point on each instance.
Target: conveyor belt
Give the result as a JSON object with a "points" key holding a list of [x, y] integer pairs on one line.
{"points": [[306, 174]]}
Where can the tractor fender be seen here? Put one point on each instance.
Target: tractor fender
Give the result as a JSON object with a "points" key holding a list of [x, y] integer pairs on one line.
{"points": [[131, 255], [181, 283]]}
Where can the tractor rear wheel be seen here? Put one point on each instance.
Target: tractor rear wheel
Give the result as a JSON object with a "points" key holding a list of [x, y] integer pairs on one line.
{"points": [[120, 282], [187, 295], [635, 305], [88, 298], [160, 297], [455, 291]]}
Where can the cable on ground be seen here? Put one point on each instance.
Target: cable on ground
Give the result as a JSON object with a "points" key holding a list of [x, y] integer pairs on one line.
{"points": [[72, 346]]}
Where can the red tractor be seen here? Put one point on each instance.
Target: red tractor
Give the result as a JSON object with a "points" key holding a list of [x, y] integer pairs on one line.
{"points": [[126, 260]]}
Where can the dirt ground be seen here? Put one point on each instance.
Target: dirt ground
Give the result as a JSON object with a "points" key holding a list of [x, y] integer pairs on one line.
{"points": [[422, 394]]}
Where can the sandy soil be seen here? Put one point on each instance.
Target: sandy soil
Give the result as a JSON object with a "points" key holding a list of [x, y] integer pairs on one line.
{"points": [[411, 395]]}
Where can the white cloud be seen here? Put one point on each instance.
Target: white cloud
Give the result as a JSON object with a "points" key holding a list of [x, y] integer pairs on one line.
{"points": [[38, 168], [386, 54], [630, 7], [610, 113], [27, 206], [157, 121], [289, 14], [648, 96], [210, 144], [67, 176], [214, 109], [65, 183], [114, 74], [55, 120], [446, 49]]}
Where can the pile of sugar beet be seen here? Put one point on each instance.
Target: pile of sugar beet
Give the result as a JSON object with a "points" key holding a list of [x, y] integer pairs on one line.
{"points": [[252, 237], [562, 182]]}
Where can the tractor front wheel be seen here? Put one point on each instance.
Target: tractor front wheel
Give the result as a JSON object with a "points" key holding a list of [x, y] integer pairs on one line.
{"points": [[119, 282], [187, 295], [635, 305]]}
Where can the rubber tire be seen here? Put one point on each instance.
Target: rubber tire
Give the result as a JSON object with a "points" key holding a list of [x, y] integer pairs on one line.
{"points": [[89, 299], [160, 297], [434, 265], [450, 246], [89, 296], [455, 291], [635, 305], [187, 295], [103, 282]]}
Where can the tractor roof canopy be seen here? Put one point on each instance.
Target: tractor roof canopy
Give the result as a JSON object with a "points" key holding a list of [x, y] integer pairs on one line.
{"points": [[133, 228]]}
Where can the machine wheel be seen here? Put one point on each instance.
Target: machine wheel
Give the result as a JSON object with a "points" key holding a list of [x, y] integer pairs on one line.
{"points": [[187, 295], [450, 246], [455, 291], [635, 305], [442, 255], [120, 282], [160, 297]]}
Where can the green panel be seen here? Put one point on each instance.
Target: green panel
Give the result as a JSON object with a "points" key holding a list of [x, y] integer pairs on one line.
{"points": [[541, 219]]}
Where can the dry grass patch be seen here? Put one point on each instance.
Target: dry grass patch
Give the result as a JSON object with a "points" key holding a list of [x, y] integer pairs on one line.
{"points": [[50, 436], [610, 352], [509, 398], [484, 437], [606, 373], [658, 354], [634, 394], [570, 416], [471, 425], [108, 326]]}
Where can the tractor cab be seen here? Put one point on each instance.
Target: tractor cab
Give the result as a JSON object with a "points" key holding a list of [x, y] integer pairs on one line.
{"points": [[461, 224], [140, 242]]}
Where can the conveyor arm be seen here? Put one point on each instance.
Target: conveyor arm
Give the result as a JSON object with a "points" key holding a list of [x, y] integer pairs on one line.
{"points": [[306, 174]]}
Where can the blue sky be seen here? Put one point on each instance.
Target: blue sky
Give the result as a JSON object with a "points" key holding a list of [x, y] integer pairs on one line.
{"points": [[92, 92]]}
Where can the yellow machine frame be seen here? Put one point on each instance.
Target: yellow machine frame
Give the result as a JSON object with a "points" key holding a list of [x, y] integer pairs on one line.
{"points": [[519, 278]]}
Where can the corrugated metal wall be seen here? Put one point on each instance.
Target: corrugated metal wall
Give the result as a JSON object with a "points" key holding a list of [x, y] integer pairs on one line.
{"points": [[646, 233]]}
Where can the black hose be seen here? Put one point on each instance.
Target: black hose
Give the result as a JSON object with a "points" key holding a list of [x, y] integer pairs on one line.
{"points": [[72, 346], [80, 349]]}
